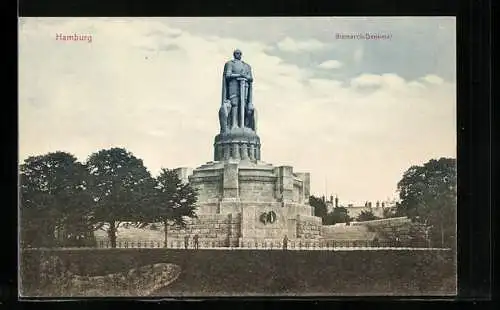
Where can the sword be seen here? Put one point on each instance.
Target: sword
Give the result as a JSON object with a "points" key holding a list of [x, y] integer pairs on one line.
{"points": [[242, 103]]}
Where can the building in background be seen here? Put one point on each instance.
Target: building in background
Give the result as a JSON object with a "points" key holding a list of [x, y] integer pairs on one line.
{"points": [[354, 211]]}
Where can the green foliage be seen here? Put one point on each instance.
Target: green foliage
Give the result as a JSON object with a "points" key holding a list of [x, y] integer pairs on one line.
{"points": [[64, 201], [121, 187], [338, 215], [366, 216], [320, 208], [53, 195], [174, 200], [428, 196]]}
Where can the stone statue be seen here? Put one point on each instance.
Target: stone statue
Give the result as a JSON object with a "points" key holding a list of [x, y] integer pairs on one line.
{"points": [[237, 109]]}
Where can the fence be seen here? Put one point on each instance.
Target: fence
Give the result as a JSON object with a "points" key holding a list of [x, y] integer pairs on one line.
{"points": [[297, 244], [329, 244], [131, 244]]}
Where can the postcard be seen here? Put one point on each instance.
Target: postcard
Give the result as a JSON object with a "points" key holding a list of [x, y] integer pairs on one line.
{"points": [[224, 156]]}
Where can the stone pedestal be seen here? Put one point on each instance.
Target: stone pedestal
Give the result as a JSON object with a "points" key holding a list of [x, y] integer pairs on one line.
{"points": [[230, 181], [255, 200], [237, 143]]}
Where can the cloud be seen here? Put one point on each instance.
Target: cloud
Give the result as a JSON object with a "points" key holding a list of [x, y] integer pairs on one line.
{"points": [[126, 89], [433, 79], [330, 64], [388, 80], [294, 46], [366, 80]]}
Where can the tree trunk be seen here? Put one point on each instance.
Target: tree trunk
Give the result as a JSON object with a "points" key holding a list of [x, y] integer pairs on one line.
{"points": [[165, 229], [112, 234]]}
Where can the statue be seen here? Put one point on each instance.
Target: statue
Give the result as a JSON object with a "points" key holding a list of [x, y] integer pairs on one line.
{"points": [[237, 109]]}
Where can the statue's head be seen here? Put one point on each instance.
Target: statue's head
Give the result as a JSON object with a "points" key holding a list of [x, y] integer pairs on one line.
{"points": [[237, 54]]}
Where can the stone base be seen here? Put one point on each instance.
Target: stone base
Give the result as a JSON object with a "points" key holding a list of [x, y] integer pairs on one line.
{"points": [[237, 143], [253, 223], [249, 181], [247, 199]]}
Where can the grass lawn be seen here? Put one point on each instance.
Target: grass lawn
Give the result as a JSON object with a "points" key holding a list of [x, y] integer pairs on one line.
{"points": [[261, 272]]}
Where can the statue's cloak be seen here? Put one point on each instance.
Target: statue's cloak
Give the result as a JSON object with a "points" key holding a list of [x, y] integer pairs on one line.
{"points": [[224, 85]]}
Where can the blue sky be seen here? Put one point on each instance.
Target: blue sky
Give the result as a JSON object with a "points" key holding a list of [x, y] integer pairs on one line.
{"points": [[354, 113]]}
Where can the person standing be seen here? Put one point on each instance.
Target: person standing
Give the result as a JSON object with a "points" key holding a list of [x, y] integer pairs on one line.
{"points": [[186, 241], [285, 242], [196, 241]]}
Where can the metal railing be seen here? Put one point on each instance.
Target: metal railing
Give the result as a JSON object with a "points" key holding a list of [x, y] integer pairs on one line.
{"points": [[296, 244], [300, 244], [131, 244]]}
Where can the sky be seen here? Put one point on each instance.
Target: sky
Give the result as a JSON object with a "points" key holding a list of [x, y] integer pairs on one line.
{"points": [[355, 113]]}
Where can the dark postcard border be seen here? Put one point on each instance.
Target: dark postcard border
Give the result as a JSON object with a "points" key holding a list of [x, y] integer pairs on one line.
{"points": [[473, 87], [474, 151], [235, 8]]}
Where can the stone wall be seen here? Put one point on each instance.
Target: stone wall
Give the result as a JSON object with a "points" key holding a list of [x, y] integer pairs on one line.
{"points": [[305, 177], [394, 221], [209, 189], [299, 209], [248, 181], [308, 227], [252, 227], [212, 229], [229, 229], [208, 208], [257, 188], [297, 191]]}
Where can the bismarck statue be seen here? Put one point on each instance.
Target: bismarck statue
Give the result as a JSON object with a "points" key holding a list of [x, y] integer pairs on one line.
{"points": [[237, 116], [237, 110]]}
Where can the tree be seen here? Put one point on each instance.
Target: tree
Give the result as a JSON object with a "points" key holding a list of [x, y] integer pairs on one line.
{"points": [[338, 215], [174, 201], [366, 216], [53, 196], [428, 196], [320, 208], [121, 187]]}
